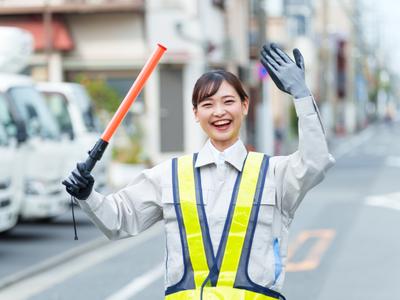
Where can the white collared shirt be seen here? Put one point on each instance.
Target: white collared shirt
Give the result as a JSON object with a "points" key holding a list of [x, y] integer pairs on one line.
{"points": [[149, 198], [220, 158]]}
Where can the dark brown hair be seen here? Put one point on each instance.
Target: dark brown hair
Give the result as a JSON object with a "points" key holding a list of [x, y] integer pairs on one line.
{"points": [[208, 84]]}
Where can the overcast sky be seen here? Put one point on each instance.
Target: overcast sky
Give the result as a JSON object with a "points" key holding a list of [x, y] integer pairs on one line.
{"points": [[383, 18]]}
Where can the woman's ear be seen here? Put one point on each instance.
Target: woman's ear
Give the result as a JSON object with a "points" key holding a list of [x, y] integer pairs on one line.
{"points": [[245, 106], [195, 114]]}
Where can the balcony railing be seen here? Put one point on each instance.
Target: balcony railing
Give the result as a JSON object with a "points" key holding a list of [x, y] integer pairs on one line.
{"points": [[10, 7]]}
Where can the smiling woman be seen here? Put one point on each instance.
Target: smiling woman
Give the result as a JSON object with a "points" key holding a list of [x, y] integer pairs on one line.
{"points": [[226, 211], [220, 104]]}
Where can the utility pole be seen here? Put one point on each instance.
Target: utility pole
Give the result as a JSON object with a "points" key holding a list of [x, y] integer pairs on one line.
{"points": [[324, 52], [48, 30], [264, 121]]}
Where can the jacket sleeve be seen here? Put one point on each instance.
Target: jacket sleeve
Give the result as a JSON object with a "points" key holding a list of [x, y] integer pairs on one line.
{"points": [[129, 211], [299, 172]]}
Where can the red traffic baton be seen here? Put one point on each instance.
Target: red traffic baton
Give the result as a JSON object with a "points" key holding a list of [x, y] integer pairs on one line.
{"points": [[97, 151]]}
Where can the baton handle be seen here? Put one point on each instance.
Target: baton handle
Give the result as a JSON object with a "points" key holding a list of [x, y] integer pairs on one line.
{"points": [[95, 154]]}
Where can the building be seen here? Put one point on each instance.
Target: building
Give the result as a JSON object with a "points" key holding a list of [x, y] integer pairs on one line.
{"points": [[112, 39]]}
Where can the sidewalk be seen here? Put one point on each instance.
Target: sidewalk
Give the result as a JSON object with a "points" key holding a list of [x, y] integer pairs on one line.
{"points": [[341, 145]]}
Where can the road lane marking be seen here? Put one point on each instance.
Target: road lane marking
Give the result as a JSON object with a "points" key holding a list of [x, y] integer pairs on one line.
{"points": [[51, 262], [138, 284], [391, 201], [393, 161], [31, 286], [323, 238]]}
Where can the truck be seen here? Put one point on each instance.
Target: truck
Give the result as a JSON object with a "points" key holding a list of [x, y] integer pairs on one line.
{"points": [[11, 183], [40, 147], [72, 107]]}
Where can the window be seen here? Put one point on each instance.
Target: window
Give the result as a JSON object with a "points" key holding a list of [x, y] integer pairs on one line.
{"points": [[298, 25], [33, 110], [86, 107], [6, 120], [219, 3], [58, 106]]}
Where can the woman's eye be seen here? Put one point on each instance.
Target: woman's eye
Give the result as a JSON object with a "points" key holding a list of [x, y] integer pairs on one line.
{"points": [[206, 105], [229, 101]]}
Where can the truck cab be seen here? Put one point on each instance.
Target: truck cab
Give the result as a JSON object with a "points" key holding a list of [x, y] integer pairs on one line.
{"points": [[42, 154], [73, 110], [11, 181]]}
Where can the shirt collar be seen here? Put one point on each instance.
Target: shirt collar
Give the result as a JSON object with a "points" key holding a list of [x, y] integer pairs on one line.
{"points": [[235, 155]]}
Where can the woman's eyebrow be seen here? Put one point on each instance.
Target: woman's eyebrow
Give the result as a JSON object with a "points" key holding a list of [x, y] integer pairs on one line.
{"points": [[228, 96]]}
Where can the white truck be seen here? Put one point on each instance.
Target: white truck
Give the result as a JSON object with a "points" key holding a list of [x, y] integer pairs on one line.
{"points": [[72, 107], [42, 155], [11, 182]]}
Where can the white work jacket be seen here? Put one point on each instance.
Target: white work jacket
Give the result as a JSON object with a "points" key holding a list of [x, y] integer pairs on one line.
{"points": [[149, 198]]}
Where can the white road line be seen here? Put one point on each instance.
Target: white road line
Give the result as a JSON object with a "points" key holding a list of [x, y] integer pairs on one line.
{"points": [[43, 281], [393, 161], [51, 262], [391, 201], [138, 284]]}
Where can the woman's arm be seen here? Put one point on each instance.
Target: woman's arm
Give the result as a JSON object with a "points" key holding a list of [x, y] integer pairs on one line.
{"points": [[297, 173], [130, 210]]}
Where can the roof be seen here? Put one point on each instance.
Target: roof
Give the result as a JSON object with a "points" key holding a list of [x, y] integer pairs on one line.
{"points": [[61, 38]]}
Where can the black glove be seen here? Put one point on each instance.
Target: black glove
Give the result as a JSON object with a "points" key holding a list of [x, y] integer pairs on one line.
{"points": [[79, 183], [288, 76]]}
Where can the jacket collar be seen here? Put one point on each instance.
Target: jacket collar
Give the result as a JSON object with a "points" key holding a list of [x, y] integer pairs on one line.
{"points": [[235, 155]]}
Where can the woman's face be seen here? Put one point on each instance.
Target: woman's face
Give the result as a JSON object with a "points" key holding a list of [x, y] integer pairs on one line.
{"points": [[221, 116]]}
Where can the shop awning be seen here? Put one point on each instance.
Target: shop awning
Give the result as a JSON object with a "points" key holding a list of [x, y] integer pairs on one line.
{"points": [[61, 38]]}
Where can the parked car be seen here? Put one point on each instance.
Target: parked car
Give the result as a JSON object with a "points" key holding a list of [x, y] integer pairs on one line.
{"points": [[73, 110], [43, 154]]}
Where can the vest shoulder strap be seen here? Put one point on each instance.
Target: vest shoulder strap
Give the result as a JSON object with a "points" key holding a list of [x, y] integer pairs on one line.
{"points": [[240, 219]]}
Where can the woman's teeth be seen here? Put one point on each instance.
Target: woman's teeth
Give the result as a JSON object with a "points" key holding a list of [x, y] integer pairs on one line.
{"points": [[221, 123]]}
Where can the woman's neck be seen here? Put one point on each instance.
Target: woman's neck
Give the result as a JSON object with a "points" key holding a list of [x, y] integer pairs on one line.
{"points": [[222, 146]]}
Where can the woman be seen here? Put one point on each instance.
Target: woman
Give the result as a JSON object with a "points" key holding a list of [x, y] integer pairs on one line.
{"points": [[226, 212]]}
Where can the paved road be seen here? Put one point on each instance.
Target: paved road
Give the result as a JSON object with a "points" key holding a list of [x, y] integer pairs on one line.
{"points": [[359, 202], [31, 242], [343, 241]]}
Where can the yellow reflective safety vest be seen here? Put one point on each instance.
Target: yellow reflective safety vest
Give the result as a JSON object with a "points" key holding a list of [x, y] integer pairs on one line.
{"points": [[223, 276]]}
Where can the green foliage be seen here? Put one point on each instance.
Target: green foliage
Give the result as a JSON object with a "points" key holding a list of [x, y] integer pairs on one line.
{"points": [[130, 153], [104, 97], [131, 150]]}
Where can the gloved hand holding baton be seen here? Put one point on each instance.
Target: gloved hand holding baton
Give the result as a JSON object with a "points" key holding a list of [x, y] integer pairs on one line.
{"points": [[80, 182]]}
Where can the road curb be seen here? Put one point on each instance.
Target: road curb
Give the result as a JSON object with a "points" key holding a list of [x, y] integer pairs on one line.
{"points": [[52, 262]]}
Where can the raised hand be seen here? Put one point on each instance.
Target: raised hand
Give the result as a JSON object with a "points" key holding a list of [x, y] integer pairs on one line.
{"points": [[289, 76]]}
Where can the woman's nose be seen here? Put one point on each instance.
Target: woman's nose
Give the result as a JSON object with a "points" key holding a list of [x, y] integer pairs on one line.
{"points": [[219, 110]]}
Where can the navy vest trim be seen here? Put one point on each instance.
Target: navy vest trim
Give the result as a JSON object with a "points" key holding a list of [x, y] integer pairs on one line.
{"points": [[243, 280], [205, 231], [187, 280], [214, 272]]}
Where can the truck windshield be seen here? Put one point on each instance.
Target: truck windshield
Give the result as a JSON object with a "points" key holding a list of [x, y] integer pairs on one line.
{"points": [[31, 105], [6, 122], [3, 136], [86, 107], [58, 106]]}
